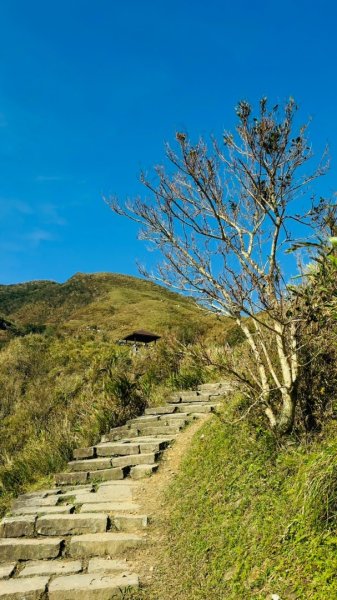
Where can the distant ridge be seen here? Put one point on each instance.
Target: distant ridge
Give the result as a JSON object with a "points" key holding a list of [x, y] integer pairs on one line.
{"points": [[110, 302]]}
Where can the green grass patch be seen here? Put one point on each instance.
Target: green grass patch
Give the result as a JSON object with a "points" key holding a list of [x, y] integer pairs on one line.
{"points": [[246, 520]]}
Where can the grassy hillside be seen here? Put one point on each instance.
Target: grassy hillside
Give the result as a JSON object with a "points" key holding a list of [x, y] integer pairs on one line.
{"points": [[63, 379], [105, 301], [248, 520]]}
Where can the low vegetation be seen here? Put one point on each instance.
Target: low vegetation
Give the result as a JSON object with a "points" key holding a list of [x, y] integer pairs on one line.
{"points": [[63, 379], [253, 511], [247, 518]]}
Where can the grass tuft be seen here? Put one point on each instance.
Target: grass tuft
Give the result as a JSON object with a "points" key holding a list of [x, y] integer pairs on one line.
{"points": [[246, 520]]}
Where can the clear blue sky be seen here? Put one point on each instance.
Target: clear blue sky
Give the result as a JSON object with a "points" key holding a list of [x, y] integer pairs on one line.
{"points": [[90, 90]]}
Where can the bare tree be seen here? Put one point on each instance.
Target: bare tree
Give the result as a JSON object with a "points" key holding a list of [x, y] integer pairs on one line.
{"points": [[223, 219]]}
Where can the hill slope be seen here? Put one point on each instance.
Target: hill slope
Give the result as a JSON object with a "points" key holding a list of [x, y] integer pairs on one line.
{"points": [[247, 519], [63, 379], [105, 301]]}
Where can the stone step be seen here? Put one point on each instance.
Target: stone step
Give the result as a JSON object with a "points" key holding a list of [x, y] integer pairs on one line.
{"points": [[91, 586], [116, 435], [198, 408], [112, 474], [149, 439], [130, 523], [110, 507], [27, 549], [51, 567], [108, 565], [80, 453], [121, 431], [76, 489], [76, 524], [92, 464], [188, 398], [213, 388], [103, 544], [44, 510], [142, 471], [6, 570], [23, 502], [32, 588], [144, 419], [160, 429], [153, 445], [108, 463], [108, 438], [165, 419], [15, 527], [176, 416], [71, 478], [41, 494], [111, 493], [160, 410], [178, 422], [136, 459], [83, 476], [113, 449], [157, 437], [110, 449]]}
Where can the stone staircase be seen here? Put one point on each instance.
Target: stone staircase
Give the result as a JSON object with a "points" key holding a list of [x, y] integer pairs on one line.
{"points": [[78, 539]]}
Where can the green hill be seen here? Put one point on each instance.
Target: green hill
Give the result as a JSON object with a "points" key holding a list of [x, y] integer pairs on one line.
{"points": [[109, 302], [63, 378]]}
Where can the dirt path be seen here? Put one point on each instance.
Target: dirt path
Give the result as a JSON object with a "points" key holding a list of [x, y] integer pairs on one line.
{"points": [[152, 500]]}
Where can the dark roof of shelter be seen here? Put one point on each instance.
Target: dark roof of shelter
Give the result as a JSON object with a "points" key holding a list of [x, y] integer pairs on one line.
{"points": [[141, 336]]}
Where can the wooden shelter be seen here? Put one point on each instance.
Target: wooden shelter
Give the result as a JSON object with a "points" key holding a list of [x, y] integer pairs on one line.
{"points": [[140, 337]]}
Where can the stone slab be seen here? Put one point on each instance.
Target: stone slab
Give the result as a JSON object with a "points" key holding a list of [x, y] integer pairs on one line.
{"points": [[130, 522], [84, 453], [155, 446], [41, 493], [35, 501], [6, 570], [175, 416], [103, 544], [91, 586], [142, 471], [72, 492], [111, 449], [195, 408], [144, 419], [135, 459], [177, 421], [23, 589], [69, 478], [92, 464], [160, 410], [110, 507], [106, 474], [28, 549], [45, 510], [117, 435], [107, 565], [163, 429], [113, 495], [75, 524], [164, 440], [108, 485], [188, 397], [14, 527], [51, 567]]}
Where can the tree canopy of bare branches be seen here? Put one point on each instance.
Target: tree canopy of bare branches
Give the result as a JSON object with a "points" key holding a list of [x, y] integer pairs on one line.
{"points": [[223, 217]]}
